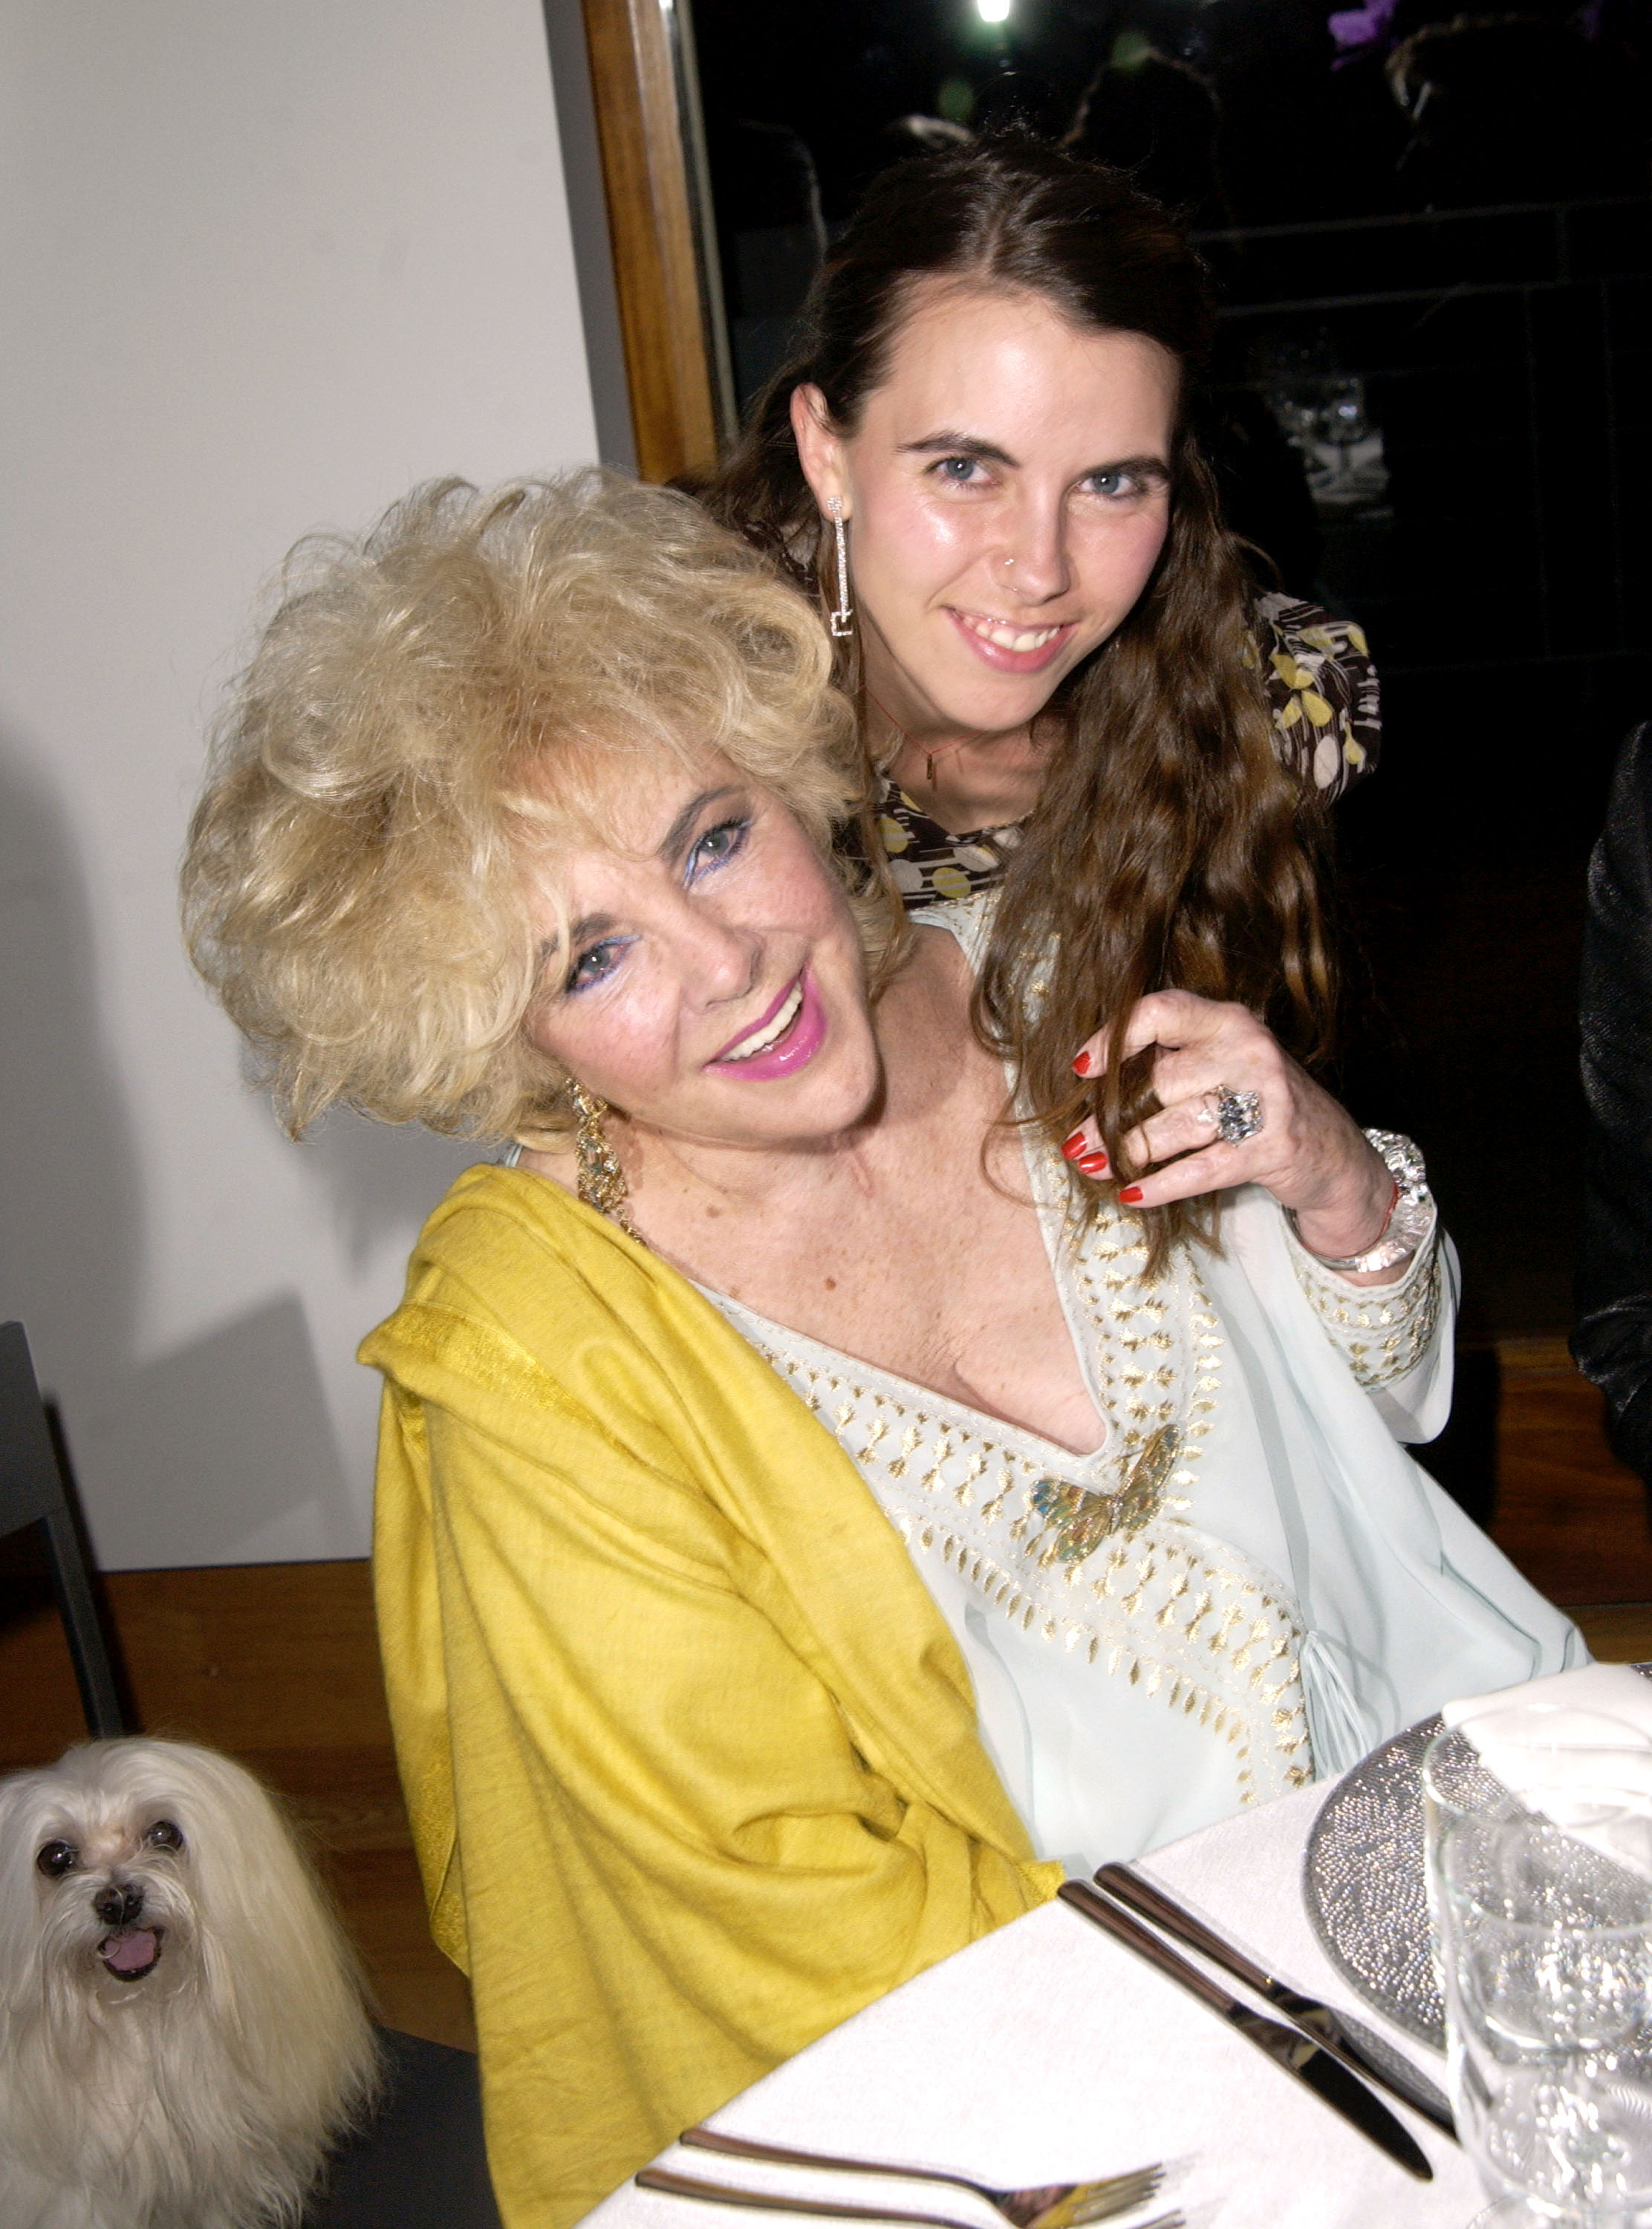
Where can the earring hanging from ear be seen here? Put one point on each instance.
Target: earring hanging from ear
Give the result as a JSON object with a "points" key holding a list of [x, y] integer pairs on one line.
{"points": [[601, 1179], [843, 619]]}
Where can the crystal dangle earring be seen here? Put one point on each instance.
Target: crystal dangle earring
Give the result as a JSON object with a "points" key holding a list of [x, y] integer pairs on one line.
{"points": [[843, 619], [601, 1179]]}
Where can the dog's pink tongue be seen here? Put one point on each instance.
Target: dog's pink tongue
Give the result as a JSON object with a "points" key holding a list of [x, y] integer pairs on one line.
{"points": [[128, 1953]]}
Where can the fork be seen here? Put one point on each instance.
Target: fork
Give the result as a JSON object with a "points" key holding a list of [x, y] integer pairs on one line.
{"points": [[1041, 2205], [768, 2201]]}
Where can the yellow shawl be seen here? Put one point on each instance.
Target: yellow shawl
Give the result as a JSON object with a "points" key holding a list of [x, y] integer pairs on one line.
{"points": [[690, 1754]]}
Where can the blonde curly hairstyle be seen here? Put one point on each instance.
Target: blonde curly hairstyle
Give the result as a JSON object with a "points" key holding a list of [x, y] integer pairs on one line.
{"points": [[430, 711]]}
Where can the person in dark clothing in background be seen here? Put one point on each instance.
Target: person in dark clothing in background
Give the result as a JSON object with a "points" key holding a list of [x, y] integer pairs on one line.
{"points": [[1613, 1339]]}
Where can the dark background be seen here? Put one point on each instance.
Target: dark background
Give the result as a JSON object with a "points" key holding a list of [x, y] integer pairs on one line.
{"points": [[1430, 237]]}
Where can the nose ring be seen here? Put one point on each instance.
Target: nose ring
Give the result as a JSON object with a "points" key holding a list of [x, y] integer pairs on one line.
{"points": [[1006, 562]]}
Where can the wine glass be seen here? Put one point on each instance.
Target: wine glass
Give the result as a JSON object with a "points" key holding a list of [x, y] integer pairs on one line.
{"points": [[1538, 1824]]}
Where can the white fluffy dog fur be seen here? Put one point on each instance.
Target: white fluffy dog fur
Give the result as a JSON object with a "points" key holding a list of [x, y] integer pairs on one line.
{"points": [[181, 2028]]}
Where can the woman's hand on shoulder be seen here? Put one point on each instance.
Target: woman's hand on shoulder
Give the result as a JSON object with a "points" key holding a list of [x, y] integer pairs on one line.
{"points": [[1306, 1149]]}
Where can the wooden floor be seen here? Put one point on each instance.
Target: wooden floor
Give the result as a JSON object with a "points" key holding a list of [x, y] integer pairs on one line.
{"points": [[277, 1664], [1572, 1516]]}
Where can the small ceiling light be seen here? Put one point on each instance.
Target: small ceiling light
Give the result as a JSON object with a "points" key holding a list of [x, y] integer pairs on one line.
{"points": [[993, 11]]}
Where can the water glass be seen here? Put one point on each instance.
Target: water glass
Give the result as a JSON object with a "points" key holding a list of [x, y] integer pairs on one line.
{"points": [[1540, 1869]]}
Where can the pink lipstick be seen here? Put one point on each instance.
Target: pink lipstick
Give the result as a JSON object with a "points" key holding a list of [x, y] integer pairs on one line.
{"points": [[802, 1032]]}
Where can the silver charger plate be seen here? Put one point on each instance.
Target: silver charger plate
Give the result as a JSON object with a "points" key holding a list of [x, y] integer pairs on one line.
{"points": [[1363, 1883]]}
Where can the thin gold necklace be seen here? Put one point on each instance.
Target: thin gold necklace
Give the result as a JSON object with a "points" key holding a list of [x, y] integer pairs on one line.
{"points": [[930, 756]]}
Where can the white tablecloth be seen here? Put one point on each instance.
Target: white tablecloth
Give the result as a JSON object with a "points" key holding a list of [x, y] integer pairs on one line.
{"points": [[1048, 2053]]}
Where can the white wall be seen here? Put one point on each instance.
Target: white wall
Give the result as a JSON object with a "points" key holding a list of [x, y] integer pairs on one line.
{"points": [[264, 263]]}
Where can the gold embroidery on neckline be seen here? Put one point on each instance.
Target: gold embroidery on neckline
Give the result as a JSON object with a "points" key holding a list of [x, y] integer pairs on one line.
{"points": [[1165, 1607], [1079, 1519]]}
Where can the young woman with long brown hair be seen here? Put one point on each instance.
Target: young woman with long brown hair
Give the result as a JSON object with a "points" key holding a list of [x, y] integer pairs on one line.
{"points": [[982, 457]]}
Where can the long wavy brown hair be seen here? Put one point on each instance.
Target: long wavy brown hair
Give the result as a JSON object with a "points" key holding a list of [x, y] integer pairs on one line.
{"points": [[1170, 847]]}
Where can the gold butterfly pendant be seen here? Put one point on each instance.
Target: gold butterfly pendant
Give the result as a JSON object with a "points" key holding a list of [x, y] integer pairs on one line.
{"points": [[1080, 1520]]}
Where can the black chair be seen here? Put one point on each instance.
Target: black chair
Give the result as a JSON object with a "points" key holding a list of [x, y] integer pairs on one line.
{"points": [[419, 2163], [32, 1492]]}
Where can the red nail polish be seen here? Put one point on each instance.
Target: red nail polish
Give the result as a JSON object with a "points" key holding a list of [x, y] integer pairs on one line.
{"points": [[1094, 1165], [1081, 1066], [1073, 1145], [1130, 1195]]}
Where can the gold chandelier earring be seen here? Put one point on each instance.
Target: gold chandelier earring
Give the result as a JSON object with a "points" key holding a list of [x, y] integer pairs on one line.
{"points": [[600, 1178]]}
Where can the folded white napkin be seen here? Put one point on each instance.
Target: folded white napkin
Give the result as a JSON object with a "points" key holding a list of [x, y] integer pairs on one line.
{"points": [[1617, 1690], [1563, 1713]]}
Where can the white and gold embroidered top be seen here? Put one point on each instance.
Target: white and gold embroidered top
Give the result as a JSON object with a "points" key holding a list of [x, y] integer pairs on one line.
{"points": [[1137, 1676], [1247, 1580]]}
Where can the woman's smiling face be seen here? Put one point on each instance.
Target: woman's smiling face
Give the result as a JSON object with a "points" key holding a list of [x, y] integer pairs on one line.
{"points": [[703, 973], [1008, 490]]}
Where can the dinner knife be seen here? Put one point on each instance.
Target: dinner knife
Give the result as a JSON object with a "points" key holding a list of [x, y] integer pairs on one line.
{"points": [[1327, 2028], [1288, 2048]]}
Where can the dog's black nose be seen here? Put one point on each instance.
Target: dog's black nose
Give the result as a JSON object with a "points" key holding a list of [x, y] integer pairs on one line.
{"points": [[119, 1904]]}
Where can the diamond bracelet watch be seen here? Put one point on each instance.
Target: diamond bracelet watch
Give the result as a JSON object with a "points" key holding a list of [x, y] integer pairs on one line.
{"points": [[1410, 1214]]}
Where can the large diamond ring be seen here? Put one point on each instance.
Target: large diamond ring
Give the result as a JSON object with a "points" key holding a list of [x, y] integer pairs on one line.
{"points": [[1238, 1114]]}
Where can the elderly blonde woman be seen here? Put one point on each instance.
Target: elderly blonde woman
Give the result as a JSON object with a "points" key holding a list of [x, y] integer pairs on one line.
{"points": [[805, 1526]]}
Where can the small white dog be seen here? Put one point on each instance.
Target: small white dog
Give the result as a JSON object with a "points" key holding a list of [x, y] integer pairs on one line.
{"points": [[181, 2028]]}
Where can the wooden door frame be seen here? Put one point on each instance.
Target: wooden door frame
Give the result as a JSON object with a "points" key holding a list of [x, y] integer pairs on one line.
{"points": [[658, 191]]}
